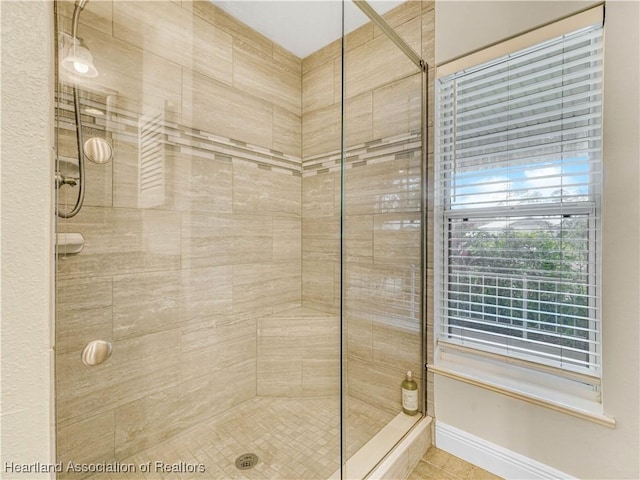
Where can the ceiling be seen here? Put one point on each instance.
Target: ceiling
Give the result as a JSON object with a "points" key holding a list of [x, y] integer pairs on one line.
{"points": [[301, 26]]}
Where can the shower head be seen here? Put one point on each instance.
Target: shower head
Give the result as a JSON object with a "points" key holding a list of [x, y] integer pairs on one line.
{"points": [[79, 60]]}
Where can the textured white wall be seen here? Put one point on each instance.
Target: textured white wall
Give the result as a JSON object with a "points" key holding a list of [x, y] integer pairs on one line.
{"points": [[26, 403], [569, 444]]}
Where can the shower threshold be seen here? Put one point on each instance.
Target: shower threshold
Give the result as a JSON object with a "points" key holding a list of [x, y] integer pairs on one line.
{"points": [[400, 444]]}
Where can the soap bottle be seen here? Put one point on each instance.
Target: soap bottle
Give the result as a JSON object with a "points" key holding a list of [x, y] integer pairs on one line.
{"points": [[409, 395]]}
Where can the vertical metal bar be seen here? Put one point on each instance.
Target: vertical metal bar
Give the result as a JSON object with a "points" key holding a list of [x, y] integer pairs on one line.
{"points": [[343, 363], [424, 205]]}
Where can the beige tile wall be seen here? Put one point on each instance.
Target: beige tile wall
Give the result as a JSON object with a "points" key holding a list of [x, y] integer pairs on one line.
{"points": [[299, 354]]}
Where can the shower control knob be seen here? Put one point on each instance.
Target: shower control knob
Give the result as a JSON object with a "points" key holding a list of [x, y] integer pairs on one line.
{"points": [[96, 352], [62, 180]]}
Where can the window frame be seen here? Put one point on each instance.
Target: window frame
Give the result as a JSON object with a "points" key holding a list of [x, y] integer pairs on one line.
{"points": [[491, 364]]}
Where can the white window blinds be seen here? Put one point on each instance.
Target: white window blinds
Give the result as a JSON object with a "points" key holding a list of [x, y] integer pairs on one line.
{"points": [[518, 168]]}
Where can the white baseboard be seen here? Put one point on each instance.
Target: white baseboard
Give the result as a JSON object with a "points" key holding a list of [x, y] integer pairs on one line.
{"points": [[493, 458]]}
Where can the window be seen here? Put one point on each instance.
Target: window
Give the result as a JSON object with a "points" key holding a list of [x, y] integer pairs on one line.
{"points": [[517, 202]]}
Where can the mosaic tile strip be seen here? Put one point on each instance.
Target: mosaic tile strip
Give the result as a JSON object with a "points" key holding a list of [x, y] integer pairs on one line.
{"points": [[377, 151], [123, 125]]}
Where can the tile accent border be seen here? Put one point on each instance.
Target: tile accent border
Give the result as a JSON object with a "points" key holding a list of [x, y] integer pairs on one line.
{"points": [[406, 145], [122, 124], [491, 457]]}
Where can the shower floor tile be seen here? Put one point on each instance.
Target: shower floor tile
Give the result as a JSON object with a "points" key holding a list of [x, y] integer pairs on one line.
{"points": [[294, 438]]}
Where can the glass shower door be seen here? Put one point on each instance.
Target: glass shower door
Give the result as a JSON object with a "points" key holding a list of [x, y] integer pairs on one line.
{"points": [[224, 362], [251, 250], [382, 264]]}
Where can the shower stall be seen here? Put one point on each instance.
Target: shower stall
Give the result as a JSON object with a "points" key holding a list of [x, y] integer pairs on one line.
{"points": [[241, 290]]}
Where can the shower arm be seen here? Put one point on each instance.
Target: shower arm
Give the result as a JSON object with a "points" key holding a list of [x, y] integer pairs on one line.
{"points": [[79, 6]]}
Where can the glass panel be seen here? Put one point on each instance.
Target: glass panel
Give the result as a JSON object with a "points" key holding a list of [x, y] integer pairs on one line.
{"points": [[193, 264], [214, 252], [382, 256]]}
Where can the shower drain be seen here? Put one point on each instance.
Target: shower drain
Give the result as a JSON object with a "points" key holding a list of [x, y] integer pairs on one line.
{"points": [[246, 461]]}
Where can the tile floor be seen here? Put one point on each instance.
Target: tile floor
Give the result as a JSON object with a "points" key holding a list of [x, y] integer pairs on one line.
{"points": [[437, 464], [294, 438]]}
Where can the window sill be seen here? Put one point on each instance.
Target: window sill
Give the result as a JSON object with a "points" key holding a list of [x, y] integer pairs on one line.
{"points": [[521, 389]]}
